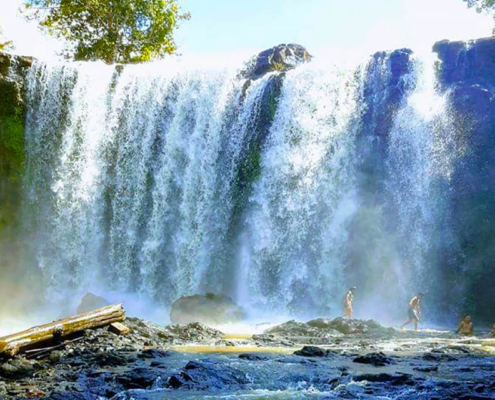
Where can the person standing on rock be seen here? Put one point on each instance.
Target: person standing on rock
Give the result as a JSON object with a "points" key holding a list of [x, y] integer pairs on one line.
{"points": [[413, 312], [466, 327], [348, 299]]}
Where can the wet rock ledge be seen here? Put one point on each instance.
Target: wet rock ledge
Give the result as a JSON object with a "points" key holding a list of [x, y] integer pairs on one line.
{"points": [[359, 359]]}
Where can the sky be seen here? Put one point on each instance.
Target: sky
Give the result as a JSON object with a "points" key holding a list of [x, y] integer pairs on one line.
{"points": [[322, 26]]}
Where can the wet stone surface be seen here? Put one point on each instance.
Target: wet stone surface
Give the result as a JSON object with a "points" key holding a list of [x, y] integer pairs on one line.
{"points": [[147, 364]]}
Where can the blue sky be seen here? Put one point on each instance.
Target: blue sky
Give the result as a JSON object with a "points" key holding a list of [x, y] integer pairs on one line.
{"points": [[219, 26], [323, 26]]}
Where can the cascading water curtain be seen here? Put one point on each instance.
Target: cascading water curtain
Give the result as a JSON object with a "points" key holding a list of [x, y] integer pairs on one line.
{"points": [[293, 252], [422, 152], [129, 174], [135, 184]]}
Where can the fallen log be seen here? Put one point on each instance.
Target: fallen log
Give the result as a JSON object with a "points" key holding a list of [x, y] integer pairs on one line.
{"points": [[54, 332]]}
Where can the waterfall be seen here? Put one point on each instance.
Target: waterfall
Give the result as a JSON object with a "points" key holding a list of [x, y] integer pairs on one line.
{"points": [[422, 159], [166, 180], [296, 222]]}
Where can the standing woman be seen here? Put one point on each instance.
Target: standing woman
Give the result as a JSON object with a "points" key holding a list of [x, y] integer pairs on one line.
{"points": [[348, 299]]}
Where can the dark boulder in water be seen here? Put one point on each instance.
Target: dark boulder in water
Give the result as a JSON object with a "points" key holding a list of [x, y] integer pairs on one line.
{"points": [[377, 359], [312, 351], [438, 357], [91, 302], [208, 375], [253, 357], [208, 309], [279, 58]]}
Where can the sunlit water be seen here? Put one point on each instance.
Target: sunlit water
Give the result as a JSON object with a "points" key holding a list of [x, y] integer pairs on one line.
{"points": [[132, 187]]}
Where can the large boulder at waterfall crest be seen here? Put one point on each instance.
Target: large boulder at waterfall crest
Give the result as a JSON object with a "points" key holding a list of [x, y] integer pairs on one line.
{"points": [[207, 309], [91, 302], [279, 58]]}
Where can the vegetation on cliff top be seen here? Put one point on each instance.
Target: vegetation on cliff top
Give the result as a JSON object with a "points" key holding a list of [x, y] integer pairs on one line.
{"points": [[4, 44], [121, 31], [483, 6]]}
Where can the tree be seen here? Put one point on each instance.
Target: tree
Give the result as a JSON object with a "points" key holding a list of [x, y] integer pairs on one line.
{"points": [[4, 45], [120, 31], [483, 6]]}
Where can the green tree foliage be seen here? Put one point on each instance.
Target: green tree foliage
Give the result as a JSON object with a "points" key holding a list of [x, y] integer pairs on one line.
{"points": [[4, 45], [483, 6], [120, 31]]}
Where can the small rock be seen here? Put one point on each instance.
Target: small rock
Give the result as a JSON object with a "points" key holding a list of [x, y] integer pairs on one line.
{"points": [[154, 353], [376, 359], [253, 357], [17, 369], [426, 369]]}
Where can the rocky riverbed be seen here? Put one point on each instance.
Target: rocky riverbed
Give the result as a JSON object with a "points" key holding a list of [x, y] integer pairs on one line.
{"points": [[317, 359]]}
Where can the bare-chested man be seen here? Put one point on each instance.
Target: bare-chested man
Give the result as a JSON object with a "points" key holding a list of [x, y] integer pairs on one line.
{"points": [[466, 327], [413, 312], [348, 299]]}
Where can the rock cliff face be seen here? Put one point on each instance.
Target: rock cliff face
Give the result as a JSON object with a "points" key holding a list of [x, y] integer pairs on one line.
{"points": [[467, 73], [12, 153]]}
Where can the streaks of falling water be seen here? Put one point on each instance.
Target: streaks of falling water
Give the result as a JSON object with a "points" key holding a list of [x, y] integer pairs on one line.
{"points": [[132, 176], [421, 160], [129, 175], [306, 194]]}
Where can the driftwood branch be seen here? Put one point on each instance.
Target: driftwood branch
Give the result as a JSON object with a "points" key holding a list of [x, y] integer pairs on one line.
{"points": [[56, 331]]}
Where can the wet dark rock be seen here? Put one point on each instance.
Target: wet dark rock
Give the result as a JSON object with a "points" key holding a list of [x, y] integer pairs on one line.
{"points": [[281, 58], [155, 353], [138, 378], [91, 302], [426, 369], [64, 395], [312, 351], [438, 357], [472, 61], [110, 359], [376, 359], [208, 375], [253, 357], [208, 309]]}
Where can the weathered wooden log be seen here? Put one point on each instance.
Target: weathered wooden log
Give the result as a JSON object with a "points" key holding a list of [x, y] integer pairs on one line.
{"points": [[39, 335]]}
